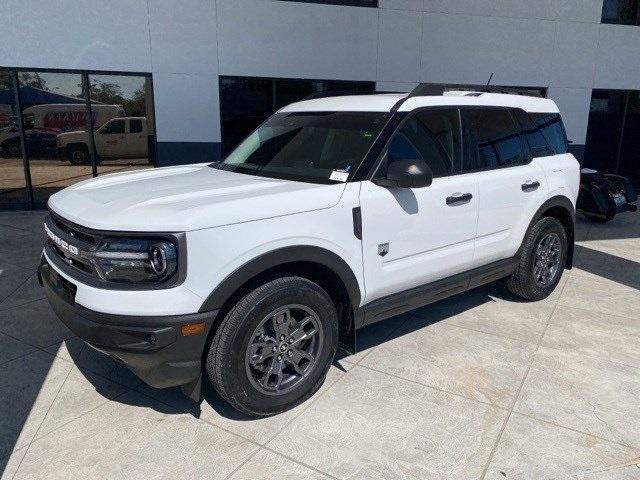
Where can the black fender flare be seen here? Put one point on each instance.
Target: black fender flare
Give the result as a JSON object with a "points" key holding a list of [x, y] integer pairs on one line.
{"points": [[554, 202], [298, 253]]}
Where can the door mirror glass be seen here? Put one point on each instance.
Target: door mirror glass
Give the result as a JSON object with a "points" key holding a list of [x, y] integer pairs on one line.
{"points": [[406, 173]]}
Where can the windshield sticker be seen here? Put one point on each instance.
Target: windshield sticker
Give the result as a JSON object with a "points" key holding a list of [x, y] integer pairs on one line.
{"points": [[339, 175]]}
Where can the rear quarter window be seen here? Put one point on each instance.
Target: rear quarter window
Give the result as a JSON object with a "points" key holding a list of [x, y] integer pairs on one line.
{"points": [[550, 126]]}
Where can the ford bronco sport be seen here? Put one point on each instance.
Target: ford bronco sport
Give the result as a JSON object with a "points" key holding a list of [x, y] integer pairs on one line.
{"points": [[334, 214]]}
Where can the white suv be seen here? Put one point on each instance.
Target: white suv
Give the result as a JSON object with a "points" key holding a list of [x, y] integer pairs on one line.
{"points": [[334, 214]]}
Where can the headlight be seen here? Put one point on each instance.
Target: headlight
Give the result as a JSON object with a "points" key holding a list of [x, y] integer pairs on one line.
{"points": [[132, 260]]}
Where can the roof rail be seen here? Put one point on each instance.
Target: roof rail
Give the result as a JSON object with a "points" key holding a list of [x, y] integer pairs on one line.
{"points": [[335, 93], [421, 90], [429, 89]]}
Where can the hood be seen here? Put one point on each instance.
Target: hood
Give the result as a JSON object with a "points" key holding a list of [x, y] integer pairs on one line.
{"points": [[72, 133], [191, 197]]}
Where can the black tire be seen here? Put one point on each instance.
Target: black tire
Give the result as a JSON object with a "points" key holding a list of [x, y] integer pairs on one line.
{"points": [[523, 282], [12, 148], [227, 363], [78, 155]]}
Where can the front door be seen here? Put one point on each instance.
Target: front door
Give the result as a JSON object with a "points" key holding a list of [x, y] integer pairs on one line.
{"points": [[411, 237], [110, 138]]}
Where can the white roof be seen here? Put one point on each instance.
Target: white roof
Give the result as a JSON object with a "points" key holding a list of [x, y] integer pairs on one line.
{"points": [[384, 102]]}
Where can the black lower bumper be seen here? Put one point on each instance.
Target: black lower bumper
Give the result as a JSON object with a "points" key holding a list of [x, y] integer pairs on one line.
{"points": [[151, 347]]}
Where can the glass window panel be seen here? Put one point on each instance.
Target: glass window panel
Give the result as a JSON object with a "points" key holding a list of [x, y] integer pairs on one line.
{"points": [[246, 102], [605, 127], [493, 139], [116, 100], [630, 148], [55, 121], [431, 136], [12, 182], [620, 12], [550, 125]]}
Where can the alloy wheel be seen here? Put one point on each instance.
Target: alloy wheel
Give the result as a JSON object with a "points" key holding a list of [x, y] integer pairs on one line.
{"points": [[283, 349], [547, 260]]}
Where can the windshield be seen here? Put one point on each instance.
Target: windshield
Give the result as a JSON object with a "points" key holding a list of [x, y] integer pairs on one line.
{"points": [[319, 147]]}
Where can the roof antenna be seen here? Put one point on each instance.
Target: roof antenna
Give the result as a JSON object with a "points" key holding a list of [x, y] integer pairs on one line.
{"points": [[490, 77]]}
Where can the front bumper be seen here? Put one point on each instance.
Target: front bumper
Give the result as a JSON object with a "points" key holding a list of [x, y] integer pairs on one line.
{"points": [[152, 347]]}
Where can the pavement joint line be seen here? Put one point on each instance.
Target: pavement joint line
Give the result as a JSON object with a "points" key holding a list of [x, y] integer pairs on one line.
{"points": [[15, 290], [243, 463], [311, 401], [491, 334], [43, 419], [524, 379], [433, 387], [18, 357], [107, 401], [27, 343], [8, 456], [237, 435], [311, 467], [27, 302], [581, 432]]}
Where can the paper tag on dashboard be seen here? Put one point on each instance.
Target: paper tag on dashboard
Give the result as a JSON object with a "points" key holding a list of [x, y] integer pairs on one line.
{"points": [[339, 175]]}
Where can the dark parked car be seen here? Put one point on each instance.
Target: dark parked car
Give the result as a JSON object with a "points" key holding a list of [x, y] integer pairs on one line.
{"points": [[603, 195]]}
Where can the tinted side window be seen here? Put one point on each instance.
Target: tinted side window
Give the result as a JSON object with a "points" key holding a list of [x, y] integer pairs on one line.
{"points": [[550, 124], [116, 126], [135, 126], [432, 135], [492, 139], [535, 140]]}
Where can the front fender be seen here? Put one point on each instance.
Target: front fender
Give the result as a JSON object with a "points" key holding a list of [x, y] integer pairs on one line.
{"points": [[299, 253]]}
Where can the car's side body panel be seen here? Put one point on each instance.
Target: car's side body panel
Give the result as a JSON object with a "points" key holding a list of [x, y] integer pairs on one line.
{"points": [[215, 254], [425, 238]]}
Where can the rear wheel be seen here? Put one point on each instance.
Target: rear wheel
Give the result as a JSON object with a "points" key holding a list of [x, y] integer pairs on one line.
{"points": [[78, 154], [542, 261], [273, 349]]}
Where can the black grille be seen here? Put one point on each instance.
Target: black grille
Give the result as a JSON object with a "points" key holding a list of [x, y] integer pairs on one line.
{"points": [[71, 234]]}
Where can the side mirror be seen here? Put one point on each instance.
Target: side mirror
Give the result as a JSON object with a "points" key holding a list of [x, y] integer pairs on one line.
{"points": [[412, 173]]}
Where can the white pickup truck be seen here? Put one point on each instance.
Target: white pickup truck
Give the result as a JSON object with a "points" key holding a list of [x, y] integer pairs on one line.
{"points": [[120, 137]]}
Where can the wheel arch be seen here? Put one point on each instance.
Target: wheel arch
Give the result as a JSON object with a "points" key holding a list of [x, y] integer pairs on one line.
{"points": [[318, 264], [561, 208]]}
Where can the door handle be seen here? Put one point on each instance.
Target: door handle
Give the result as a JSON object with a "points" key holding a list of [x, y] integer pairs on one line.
{"points": [[530, 186], [459, 199]]}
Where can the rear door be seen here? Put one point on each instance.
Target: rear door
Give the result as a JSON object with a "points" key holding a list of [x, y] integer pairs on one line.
{"points": [[511, 185], [414, 236]]}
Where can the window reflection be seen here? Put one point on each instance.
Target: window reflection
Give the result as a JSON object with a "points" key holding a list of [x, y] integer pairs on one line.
{"points": [[123, 122], [246, 102], [53, 106], [12, 181], [623, 12]]}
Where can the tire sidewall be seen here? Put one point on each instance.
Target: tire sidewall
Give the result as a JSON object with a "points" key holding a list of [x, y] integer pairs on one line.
{"points": [[300, 292]]}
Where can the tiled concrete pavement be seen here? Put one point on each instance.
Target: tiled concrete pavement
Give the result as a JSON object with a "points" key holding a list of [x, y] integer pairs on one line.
{"points": [[476, 386]]}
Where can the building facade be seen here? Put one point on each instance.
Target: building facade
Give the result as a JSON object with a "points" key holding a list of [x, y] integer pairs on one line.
{"points": [[166, 82]]}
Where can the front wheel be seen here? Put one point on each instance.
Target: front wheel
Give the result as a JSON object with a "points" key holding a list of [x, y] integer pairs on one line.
{"points": [[273, 349], [542, 261]]}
